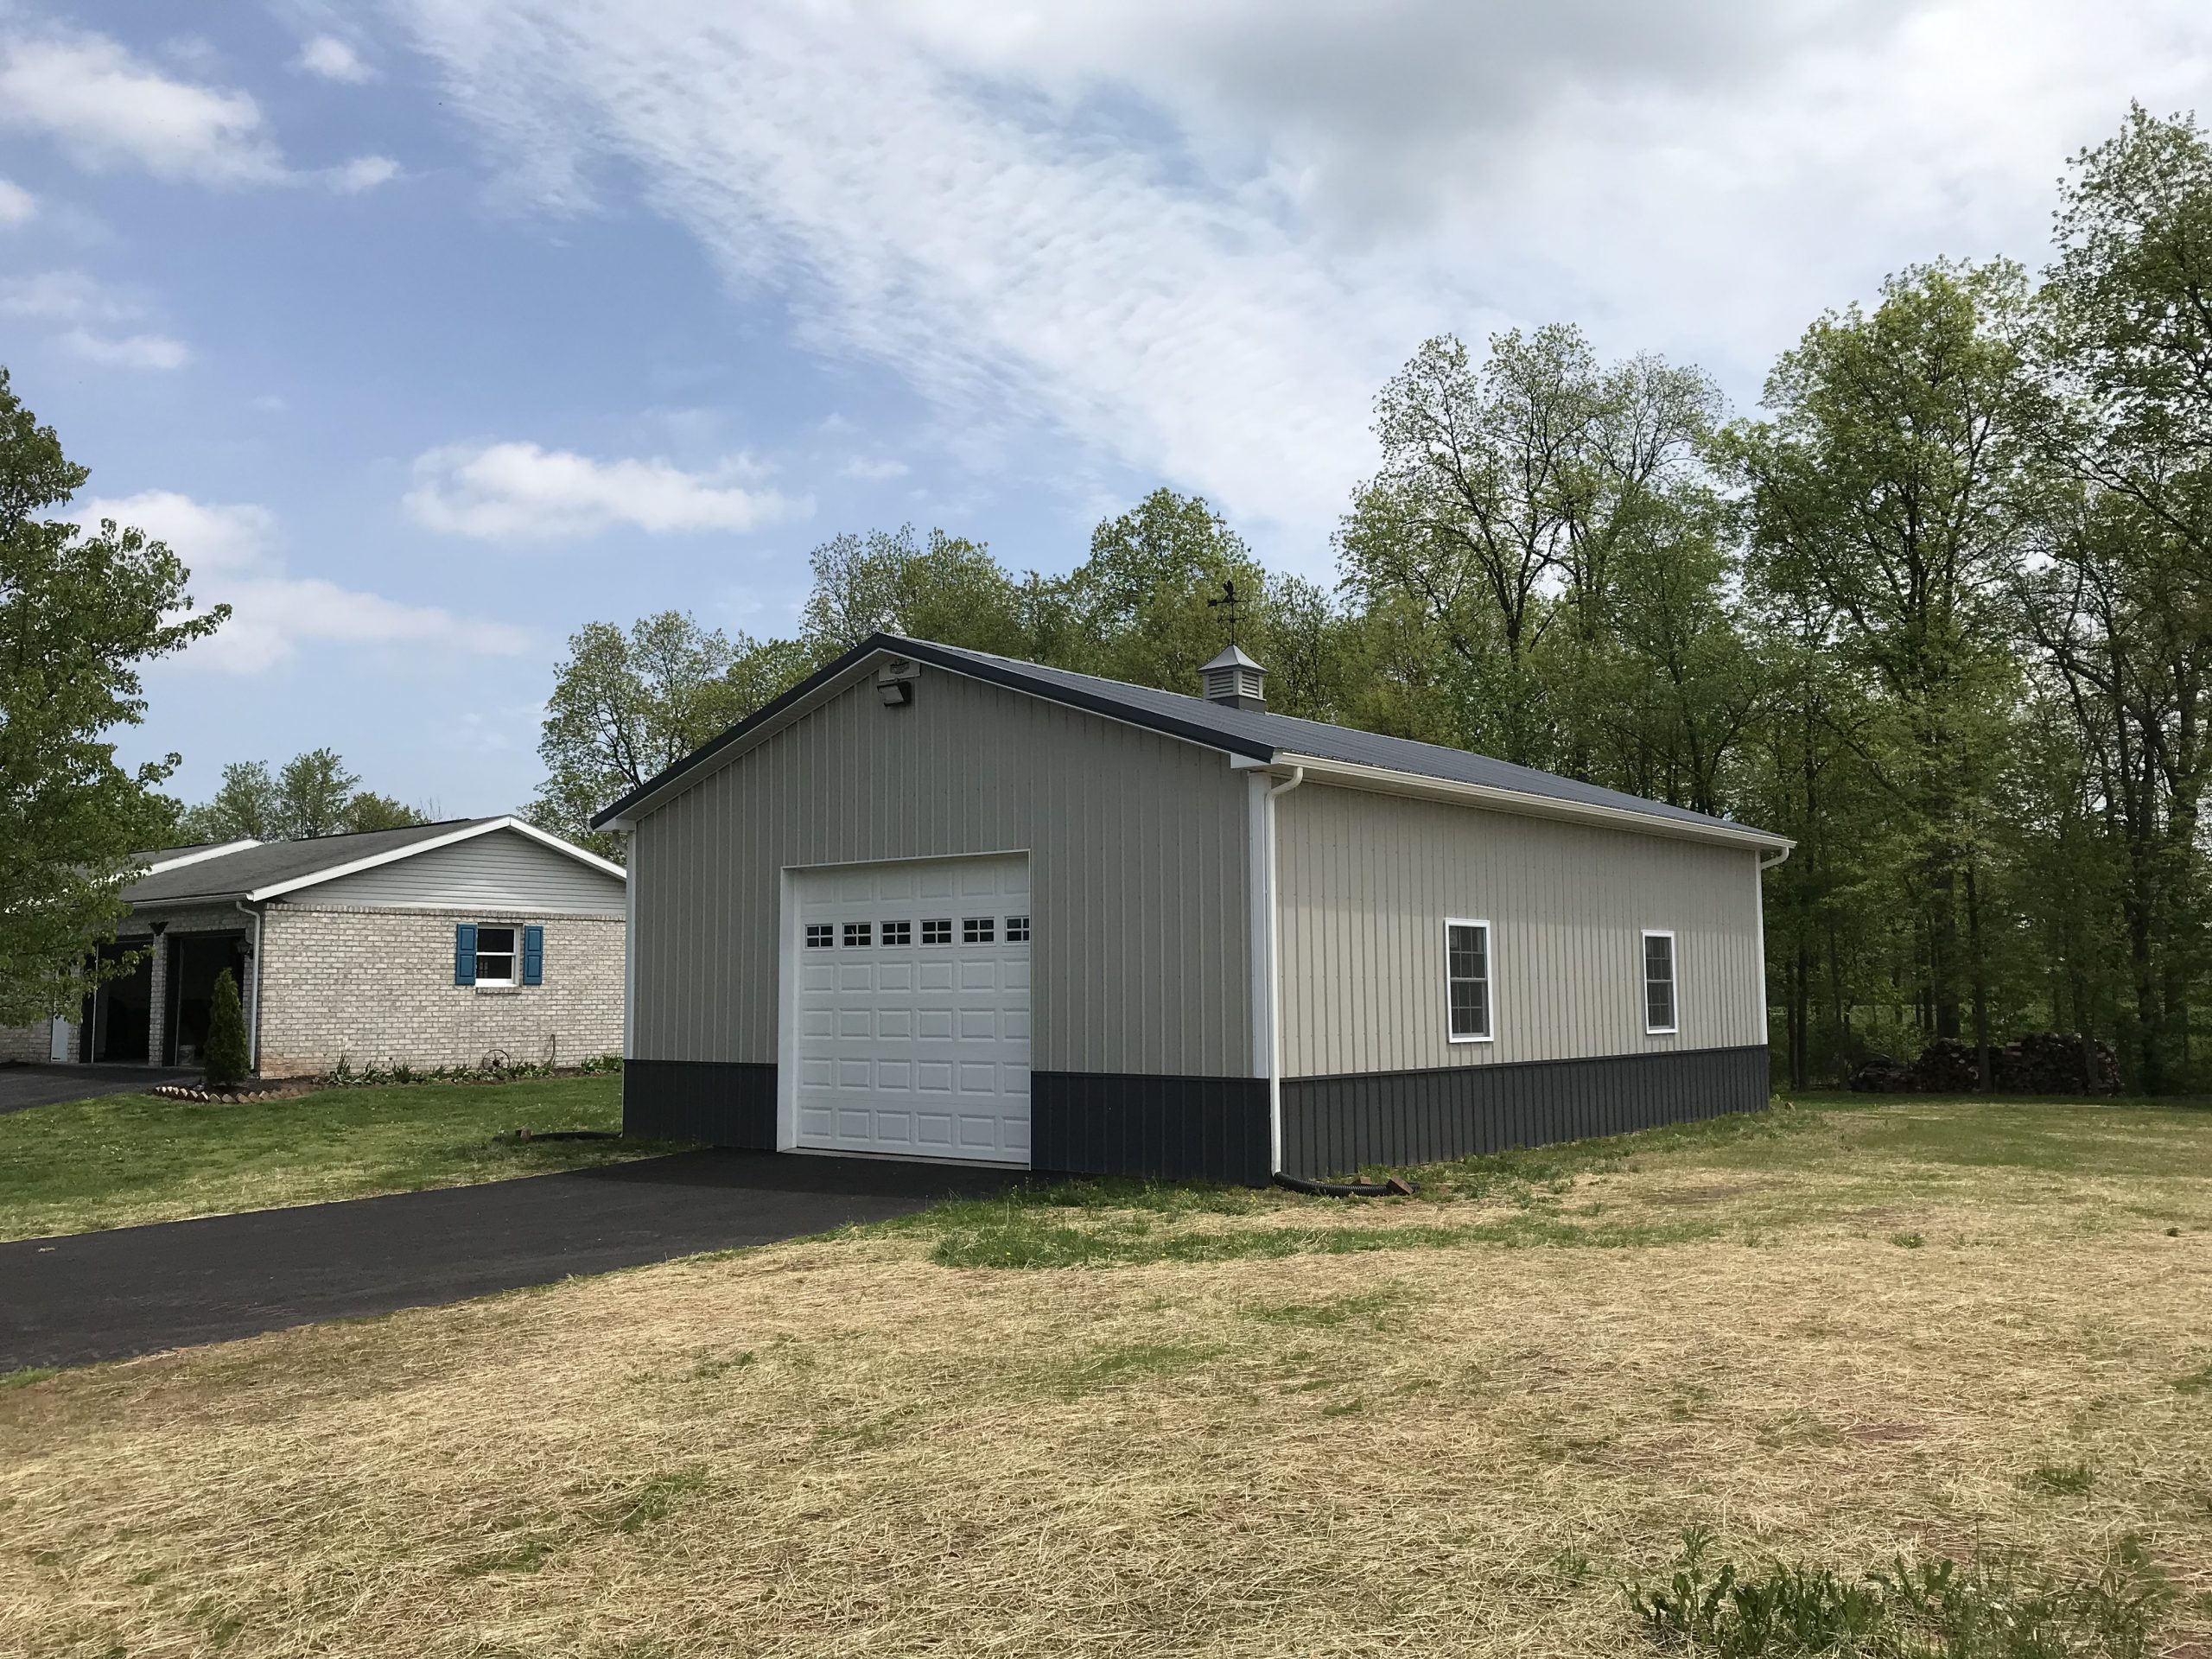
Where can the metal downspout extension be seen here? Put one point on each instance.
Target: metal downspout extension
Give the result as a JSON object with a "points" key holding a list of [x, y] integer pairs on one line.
{"points": [[253, 1025], [1274, 982]]}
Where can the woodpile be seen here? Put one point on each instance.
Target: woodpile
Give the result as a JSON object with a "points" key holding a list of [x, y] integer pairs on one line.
{"points": [[2037, 1062]]}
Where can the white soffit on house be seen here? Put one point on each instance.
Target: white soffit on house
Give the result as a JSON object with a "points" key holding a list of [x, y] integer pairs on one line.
{"points": [[466, 832]]}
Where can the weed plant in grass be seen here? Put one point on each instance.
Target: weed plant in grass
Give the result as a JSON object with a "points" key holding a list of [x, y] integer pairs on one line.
{"points": [[1992, 1607]]}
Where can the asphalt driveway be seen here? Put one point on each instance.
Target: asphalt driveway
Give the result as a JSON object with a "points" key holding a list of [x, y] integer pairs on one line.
{"points": [[49, 1085], [137, 1290]]}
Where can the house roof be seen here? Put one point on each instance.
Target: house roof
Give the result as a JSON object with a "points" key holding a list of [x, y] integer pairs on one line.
{"points": [[266, 869], [1257, 735]]}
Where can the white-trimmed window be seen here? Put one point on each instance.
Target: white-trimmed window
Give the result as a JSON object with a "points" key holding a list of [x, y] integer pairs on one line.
{"points": [[495, 955], [898, 932], [937, 930], [1467, 980], [1659, 1010], [819, 935]]}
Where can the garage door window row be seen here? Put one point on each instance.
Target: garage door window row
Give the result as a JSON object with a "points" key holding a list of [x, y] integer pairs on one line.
{"points": [[974, 930]]}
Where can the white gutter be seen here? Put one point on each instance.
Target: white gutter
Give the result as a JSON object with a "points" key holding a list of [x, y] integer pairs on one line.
{"points": [[1383, 780], [1779, 858], [1275, 978], [253, 1025]]}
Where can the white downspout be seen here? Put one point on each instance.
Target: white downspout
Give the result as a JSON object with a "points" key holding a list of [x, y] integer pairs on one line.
{"points": [[1275, 978], [253, 1025]]}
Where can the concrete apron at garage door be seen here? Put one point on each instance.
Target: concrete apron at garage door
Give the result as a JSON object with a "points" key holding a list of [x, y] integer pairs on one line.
{"points": [[905, 1023]]}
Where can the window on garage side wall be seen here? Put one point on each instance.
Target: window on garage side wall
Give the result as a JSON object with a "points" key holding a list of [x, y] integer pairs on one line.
{"points": [[1466, 976]]}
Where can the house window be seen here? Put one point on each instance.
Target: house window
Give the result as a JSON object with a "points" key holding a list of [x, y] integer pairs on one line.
{"points": [[1658, 983], [858, 933], [820, 934], [1017, 930], [495, 955], [978, 930], [1466, 976], [938, 932], [898, 932]]}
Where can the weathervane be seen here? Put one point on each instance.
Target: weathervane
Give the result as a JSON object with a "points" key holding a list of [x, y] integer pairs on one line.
{"points": [[1228, 599]]}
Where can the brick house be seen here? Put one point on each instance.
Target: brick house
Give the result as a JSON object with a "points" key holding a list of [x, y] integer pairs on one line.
{"points": [[438, 944]]}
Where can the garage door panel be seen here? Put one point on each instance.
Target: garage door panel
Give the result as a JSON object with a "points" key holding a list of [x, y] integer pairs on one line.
{"points": [[912, 987]]}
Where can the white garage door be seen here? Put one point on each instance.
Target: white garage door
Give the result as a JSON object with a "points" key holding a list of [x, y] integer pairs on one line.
{"points": [[912, 1025]]}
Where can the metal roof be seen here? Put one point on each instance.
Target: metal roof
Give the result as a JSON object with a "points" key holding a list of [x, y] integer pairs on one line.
{"points": [[1255, 734], [233, 875]]}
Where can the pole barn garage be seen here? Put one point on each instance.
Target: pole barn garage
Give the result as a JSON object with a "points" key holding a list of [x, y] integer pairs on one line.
{"points": [[935, 904]]}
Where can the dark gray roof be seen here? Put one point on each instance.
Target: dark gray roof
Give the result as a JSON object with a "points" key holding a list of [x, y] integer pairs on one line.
{"points": [[1255, 733], [1286, 734], [233, 875]]}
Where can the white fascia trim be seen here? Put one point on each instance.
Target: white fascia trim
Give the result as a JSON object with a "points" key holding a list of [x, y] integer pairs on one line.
{"points": [[467, 832], [1381, 780], [213, 850]]}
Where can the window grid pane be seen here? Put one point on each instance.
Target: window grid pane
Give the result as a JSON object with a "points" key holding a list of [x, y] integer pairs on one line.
{"points": [[978, 929], [1467, 969], [495, 955], [938, 931], [898, 932], [1658, 982], [819, 934], [1017, 930], [857, 932]]}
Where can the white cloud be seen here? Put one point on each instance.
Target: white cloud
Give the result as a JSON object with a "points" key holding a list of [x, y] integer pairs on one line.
{"points": [[1195, 238], [231, 549], [334, 60], [873, 469], [17, 204], [519, 492], [64, 296], [127, 350], [107, 108], [71, 297], [363, 173]]}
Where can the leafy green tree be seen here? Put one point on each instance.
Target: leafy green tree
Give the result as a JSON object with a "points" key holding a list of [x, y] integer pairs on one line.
{"points": [[1887, 487], [627, 706], [2123, 611], [228, 1058], [946, 589], [79, 614], [313, 794]]}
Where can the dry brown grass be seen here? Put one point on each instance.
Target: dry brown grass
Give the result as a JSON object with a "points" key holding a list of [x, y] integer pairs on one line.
{"points": [[840, 1447]]}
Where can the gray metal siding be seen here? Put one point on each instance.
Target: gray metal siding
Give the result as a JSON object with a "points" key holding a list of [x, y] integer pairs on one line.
{"points": [[1365, 882], [1338, 1125], [1138, 865], [502, 870]]}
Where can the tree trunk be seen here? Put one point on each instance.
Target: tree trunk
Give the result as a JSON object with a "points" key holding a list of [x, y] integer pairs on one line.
{"points": [[1980, 981]]}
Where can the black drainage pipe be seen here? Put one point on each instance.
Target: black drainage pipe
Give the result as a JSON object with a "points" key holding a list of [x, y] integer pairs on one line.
{"points": [[1394, 1187]]}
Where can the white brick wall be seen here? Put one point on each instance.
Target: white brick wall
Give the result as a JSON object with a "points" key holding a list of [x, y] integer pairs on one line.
{"points": [[27, 1042], [376, 987]]}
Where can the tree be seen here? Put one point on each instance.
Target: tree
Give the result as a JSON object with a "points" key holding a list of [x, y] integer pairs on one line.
{"points": [[313, 794], [1887, 489], [2123, 611], [625, 706], [1140, 608], [948, 589], [227, 1059], [80, 612]]}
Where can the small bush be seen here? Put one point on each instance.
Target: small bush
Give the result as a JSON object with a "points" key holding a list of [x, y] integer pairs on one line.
{"points": [[1990, 1608], [227, 1060]]}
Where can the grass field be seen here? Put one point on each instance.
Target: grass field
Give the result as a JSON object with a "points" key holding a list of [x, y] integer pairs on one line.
{"points": [[126, 1159], [1147, 1422]]}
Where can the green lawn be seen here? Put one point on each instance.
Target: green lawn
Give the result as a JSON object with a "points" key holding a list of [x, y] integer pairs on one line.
{"points": [[127, 1159]]}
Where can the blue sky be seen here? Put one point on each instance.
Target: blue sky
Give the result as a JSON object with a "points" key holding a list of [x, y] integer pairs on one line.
{"points": [[428, 332]]}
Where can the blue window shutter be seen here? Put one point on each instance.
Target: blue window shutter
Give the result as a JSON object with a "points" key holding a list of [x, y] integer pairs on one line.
{"points": [[464, 953], [533, 955]]}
